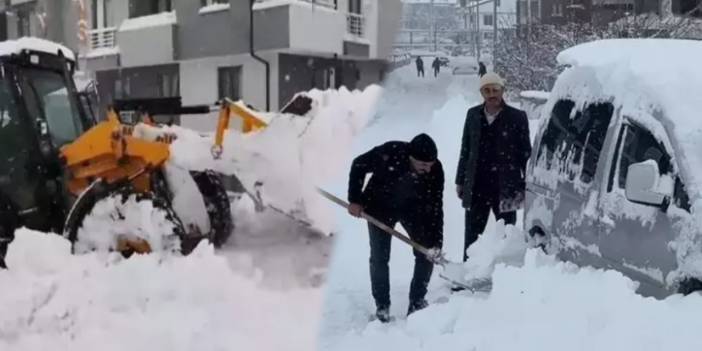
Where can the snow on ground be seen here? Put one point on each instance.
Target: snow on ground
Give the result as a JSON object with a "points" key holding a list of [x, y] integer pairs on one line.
{"points": [[56, 300], [536, 303]]}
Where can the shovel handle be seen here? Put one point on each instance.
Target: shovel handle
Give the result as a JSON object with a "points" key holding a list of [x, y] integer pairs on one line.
{"points": [[379, 224]]}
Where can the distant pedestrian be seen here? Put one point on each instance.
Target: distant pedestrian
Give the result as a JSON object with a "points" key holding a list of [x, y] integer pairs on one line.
{"points": [[437, 66], [420, 66], [406, 186], [481, 69]]}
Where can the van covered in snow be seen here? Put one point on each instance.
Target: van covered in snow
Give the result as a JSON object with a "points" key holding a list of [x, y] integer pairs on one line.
{"points": [[615, 177]]}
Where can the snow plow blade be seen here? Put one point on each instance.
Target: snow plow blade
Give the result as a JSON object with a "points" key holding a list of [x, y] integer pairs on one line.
{"points": [[452, 272]]}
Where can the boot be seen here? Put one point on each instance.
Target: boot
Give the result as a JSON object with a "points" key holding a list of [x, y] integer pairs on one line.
{"points": [[415, 306], [383, 314]]}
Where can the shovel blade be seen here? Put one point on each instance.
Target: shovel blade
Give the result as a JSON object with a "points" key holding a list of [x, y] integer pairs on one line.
{"points": [[456, 274]]}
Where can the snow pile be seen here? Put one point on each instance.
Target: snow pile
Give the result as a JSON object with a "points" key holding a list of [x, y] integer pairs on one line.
{"points": [[132, 219], [590, 309], [292, 155], [67, 302], [215, 7]]}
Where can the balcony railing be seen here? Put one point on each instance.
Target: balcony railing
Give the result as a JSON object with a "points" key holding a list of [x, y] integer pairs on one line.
{"points": [[102, 38], [355, 25]]}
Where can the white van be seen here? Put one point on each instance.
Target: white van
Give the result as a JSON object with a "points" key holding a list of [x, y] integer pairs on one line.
{"points": [[615, 177]]}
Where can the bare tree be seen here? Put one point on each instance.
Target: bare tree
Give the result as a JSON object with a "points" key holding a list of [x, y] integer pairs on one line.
{"points": [[536, 69]]}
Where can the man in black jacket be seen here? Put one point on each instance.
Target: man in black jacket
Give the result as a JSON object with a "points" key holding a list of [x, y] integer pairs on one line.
{"points": [[492, 164], [407, 187]]}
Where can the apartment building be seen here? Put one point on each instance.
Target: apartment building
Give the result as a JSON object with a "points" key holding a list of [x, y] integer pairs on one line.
{"points": [[454, 22], [203, 50]]}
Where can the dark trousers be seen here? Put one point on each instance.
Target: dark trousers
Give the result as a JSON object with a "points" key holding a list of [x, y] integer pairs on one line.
{"points": [[380, 243], [477, 216], [420, 72], [436, 72]]}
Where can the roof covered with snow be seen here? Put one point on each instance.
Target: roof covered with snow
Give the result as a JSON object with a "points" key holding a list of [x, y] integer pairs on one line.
{"points": [[10, 47], [660, 76]]}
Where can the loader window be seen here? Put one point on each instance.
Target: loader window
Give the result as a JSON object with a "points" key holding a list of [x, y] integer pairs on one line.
{"points": [[48, 91]]}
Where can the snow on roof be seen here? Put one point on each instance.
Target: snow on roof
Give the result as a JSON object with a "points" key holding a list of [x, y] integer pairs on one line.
{"points": [[660, 76], [10, 47], [159, 19], [267, 4], [216, 7]]}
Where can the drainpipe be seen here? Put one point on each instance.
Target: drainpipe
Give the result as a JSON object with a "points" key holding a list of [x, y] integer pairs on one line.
{"points": [[259, 58]]}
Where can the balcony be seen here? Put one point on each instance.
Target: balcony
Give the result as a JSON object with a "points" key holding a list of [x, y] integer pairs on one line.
{"points": [[355, 25], [102, 41], [147, 40]]}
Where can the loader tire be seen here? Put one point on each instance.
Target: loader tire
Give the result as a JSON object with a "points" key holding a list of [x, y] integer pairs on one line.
{"points": [[85, 207], [9, 222], [217, 204]]}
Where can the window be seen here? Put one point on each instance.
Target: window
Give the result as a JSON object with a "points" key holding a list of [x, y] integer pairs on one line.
{"points": [[48, 92], [229, 82], [355, 6], [168, 85], [138, 8], [576, 137], [23, 24], [487, 20], [487, 35], [204, 3], [557, 9], [13, 144], [640, 145]]}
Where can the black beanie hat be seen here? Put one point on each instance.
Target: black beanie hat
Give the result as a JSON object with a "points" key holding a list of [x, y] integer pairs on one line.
{"points": [[423, 148]]}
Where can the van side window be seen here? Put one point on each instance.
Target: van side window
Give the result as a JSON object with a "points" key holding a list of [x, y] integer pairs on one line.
{"points": [[680, 197], [580, 139], [640, 145]]}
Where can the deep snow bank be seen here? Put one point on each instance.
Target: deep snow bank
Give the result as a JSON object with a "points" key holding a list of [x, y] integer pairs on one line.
{"points": [[292, 155], [54, 300], [543, 305]]}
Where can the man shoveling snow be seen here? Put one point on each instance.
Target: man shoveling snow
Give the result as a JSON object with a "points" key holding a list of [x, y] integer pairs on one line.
{"points": [[407, 187]]}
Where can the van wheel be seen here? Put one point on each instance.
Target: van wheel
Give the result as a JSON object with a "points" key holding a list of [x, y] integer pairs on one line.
{"points": [[689, 285]]}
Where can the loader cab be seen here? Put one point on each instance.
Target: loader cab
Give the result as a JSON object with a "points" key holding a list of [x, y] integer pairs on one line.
{"points": [[39, 113]]}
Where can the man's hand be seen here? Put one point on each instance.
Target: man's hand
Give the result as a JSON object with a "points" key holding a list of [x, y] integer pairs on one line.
{"points": [[435, 255], [355, 210], [459, 191]]}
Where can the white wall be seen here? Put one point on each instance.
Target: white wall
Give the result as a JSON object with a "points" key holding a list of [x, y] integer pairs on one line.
{"points": [[317, 29], [148, 46], [198, 84]]}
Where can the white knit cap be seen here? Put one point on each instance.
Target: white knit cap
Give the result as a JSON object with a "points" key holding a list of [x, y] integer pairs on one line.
{"points": [[491, 78]]}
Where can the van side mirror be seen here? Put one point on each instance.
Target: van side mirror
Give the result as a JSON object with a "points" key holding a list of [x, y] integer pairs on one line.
{"points": [[642, 182]]}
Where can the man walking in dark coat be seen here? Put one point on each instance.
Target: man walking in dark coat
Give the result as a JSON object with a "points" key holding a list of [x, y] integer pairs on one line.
{"points": [[437, 66], [481, 69], [420, 66], [492, 164], [406, 187]]}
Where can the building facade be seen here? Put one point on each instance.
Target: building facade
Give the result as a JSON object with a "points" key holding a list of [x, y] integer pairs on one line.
{"points": [[204, 50]]}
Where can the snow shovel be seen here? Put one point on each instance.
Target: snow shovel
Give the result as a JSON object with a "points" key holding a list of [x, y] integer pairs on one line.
{"points": [[451, 271]]}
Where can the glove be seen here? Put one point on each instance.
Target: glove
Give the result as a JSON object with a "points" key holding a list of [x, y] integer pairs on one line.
{"points": [[435, 255]]}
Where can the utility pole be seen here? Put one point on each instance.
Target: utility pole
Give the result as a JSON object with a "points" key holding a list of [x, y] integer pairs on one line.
{"points": [[432, 24], [494, 33], [477, 28]]}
